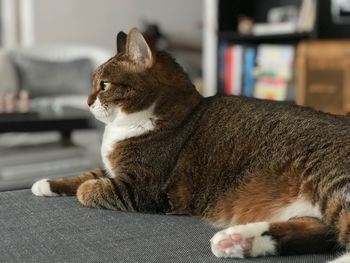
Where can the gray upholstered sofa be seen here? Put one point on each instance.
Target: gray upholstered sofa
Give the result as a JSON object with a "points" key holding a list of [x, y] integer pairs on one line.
{"points": [[34, 229]]}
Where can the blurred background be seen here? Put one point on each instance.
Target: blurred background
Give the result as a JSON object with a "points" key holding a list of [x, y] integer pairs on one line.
{"points": [[295, 51]]}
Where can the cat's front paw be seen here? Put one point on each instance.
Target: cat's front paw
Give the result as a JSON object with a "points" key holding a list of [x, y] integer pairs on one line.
{"points": [[42, 188], [88, 193], [243, 241]]}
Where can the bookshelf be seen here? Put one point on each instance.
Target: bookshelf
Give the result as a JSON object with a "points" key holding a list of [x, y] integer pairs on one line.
{"points": [[221, 18], [235, 37]]}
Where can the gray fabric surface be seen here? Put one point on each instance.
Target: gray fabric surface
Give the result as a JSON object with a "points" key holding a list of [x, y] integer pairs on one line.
{"points": [[34, 229], [8, 75], [51, 78]]}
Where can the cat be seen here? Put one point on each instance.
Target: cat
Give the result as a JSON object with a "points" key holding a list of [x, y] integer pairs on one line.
{"points": [[276, 175]]}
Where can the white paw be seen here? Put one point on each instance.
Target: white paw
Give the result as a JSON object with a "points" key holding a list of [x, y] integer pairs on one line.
{"points": [[42, 188], [343, 259], [243, 241]]}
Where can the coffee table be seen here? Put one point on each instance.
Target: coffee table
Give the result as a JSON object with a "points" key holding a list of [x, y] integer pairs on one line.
{"points": [[65, 122]]}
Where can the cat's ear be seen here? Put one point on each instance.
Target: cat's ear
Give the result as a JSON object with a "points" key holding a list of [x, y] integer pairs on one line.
{"points": [[137, 49], [121, 42]]}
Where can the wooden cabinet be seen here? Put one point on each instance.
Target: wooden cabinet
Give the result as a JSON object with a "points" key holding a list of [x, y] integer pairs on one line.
{"points": [[323, 75]]}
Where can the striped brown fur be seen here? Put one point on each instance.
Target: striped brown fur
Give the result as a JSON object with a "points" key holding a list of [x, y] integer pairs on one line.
{"points": [[223, 159], [69, 186]]}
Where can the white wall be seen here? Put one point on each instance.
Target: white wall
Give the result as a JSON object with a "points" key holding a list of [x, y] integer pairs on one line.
{"points": [[181, 18], [92, 22], [96, 22]]}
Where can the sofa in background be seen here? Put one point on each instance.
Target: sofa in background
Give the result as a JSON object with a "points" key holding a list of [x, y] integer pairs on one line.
{"points": [[57, 78], [33, 67]]}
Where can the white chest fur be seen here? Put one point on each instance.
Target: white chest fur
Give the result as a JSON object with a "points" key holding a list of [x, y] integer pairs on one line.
{"points": [[125, 126]]}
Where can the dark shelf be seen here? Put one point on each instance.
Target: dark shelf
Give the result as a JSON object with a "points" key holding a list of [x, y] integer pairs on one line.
{"points": [[276, 38]]}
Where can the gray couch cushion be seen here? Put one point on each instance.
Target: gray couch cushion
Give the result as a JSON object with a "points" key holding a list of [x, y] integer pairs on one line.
{"points": [[44, 78], [34, 229], [8, 77]]}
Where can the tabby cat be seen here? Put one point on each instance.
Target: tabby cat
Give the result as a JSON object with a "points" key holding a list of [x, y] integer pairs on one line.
{"points": [[277, 175]]}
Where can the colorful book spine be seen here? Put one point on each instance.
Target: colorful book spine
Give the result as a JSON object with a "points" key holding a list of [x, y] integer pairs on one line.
{"points": [[229, 69], [270, 89], [249, 65], [264, 72], [274, 71], [233, 70], [237, 70], [221, 67]]}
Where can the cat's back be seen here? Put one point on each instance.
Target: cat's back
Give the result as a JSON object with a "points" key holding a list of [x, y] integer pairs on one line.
{"points": [[244, 126], [235, 111]]}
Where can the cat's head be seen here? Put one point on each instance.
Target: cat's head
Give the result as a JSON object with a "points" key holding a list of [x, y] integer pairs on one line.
{"points": [[136, 79]]}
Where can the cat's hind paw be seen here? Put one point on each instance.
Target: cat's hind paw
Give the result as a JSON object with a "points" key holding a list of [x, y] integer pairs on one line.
{"points": [[243, 241], [42, 188]]}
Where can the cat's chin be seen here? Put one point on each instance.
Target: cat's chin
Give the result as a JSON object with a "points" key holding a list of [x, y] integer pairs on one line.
{"points": [[105, 118], [103, 113]]}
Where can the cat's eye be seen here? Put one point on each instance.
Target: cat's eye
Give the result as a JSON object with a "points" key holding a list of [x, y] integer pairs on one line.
{"points": [[104, 85]]}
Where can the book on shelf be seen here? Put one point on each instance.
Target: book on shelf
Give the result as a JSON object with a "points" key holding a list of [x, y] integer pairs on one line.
{"points": [[233, 70], [221, 67], [304, 22], [263, 72], [229, 69], [248, 74], [307, 16], [274, 71], [271, 89], [261, 29]]}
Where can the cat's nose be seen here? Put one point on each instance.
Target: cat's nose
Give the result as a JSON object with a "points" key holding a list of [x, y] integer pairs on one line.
{"points": [[90, 102], [91, 99]]}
